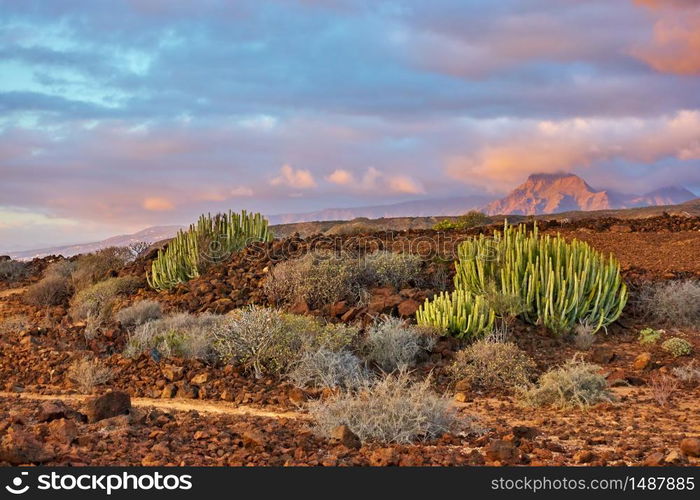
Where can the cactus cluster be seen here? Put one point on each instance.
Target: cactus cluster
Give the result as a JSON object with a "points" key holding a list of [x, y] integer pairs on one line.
{"points": [[560, 283], [210, 240], [460, 312]]}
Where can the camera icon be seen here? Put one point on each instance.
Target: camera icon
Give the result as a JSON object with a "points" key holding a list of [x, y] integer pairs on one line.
{"points": [[16, 488]]}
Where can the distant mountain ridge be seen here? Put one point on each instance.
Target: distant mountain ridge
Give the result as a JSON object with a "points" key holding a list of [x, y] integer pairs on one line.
{"points": [[148, 235], [564, 192], [539, 194], [420, 208]]}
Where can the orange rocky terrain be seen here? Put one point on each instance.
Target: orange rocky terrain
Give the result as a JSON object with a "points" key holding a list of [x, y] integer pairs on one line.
{"points": [[159, 410]]}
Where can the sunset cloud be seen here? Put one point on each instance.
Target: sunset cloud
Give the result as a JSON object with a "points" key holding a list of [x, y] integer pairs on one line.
{"points": [[675, 43], [288, 176], [158, 204]]}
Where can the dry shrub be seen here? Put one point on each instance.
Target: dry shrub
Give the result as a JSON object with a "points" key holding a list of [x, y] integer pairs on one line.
{"points": [[391, 410], [52, 290], [322, 278], [182, 335], [662, 387], [139, 313], [673, 303], [389, 268], [575, 384], [98, 300], [95, 267], [327, 368], [267, 340], [393, 344], [689, 373], [55, 287], [87, 373], [584, 337], [493, 365], [318, 278], [12, 271]]}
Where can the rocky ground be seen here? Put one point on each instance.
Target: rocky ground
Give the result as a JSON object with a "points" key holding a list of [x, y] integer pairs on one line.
{"points": [[181, 412]]}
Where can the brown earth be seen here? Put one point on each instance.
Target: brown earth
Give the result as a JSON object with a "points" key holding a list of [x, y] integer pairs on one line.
{"points": [[188, 412]]}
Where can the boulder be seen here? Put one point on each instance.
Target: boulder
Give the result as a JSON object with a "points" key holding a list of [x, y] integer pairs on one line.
{"points": [[344, 436], [106, 406]]}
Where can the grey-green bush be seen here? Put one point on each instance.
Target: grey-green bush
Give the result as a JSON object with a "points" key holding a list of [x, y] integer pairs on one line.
{"points": [[391, 410], [12, 270], [139, 313], [393, 344], [575, 384], [182, 335], [267, 340], [493, 365], [97, 301], [324, 367]]}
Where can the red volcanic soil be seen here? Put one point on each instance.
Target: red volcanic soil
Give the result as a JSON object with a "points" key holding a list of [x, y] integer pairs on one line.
{"points": [[191, 413]]}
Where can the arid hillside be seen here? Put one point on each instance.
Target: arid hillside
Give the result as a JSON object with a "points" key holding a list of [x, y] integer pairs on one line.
{"points": [[98, 368]]}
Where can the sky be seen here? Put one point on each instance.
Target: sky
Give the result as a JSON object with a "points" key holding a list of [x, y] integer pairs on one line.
{"points": [[118, 115]]}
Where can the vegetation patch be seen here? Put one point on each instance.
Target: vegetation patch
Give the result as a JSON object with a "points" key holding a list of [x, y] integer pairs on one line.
{"points": [[391, 410], [677, 347], [392, 344], [493, 365], [575, 384]]}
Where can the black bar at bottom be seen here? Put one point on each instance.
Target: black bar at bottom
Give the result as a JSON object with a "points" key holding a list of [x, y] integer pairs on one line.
{"points": [[488, 482]]}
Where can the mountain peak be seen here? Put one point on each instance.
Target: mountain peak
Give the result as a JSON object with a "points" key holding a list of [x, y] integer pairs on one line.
{"points": [[548, 193], [545, 193]]}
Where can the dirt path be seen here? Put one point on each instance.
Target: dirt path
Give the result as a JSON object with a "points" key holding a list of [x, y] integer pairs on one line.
{"points": [[11, 291], [217, 407]]}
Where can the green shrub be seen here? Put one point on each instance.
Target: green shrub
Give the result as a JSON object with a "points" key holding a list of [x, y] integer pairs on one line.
{"points": [[650, 336], [392, 344], [677, 347], [471, 219], [209, 241], [180, 335], [561, 283], [97, 301], [575, 384], [493, 365]]}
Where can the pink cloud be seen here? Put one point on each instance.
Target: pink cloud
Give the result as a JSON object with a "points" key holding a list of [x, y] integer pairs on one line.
{"points": [[296, 178], [158, 204], [552, 146], [675, 43]]}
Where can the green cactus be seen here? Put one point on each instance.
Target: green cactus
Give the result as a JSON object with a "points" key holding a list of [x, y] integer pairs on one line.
{"points": [[562, 283], [208, 241], [460, 313]]}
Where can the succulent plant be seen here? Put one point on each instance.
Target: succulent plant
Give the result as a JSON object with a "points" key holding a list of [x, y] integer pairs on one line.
{"points": [[210, 240]]}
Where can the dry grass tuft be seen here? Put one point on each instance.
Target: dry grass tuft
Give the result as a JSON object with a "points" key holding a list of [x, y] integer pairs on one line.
{"points": [[392, 410], [575, 384], [87, 373]]}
